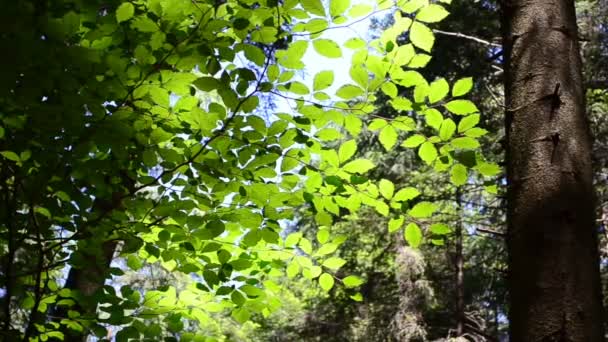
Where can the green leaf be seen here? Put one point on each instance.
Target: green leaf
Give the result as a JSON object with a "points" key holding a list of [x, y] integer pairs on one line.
{"points": [[427, 152], [461, 107], [468, 122], [388, 137], [326, 281], [359, 166], [465, 143], [386, 188], [422, 210], [292, 269], [462, 86], [325, 249], [334, 263], [352, 281], [254, 54], [458, 175], [317, 25], [292, 239], [11, 156], [413, 235], [327, 48], [337, 7], [422, 36], [305, 246], [440, 229], [144, 24], [355, 43], [475, 132], [359, 10], [207, 83], [433, 118], [406, 194], [28, 303], [389, 89], [488, 169], [297, 88], [395, 224], [328, 134], [323, 235], [347, 150], [448, 127], [125, 12], [265, 35], [323, 80], [414, 141], [376, 124], [412, 5], [237, 298], [438, 90], [134, 262], [349, 91], [432, 13], [419, 61], [313, 6], [357, 297]]}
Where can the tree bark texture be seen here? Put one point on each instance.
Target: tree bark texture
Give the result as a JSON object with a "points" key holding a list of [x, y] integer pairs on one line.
{"points": [[460, 306], [554, 278]]}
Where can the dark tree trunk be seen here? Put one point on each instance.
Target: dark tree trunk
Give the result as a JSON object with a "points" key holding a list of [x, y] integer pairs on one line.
{"points": [[554, 271], [460, 315], [87, 281]]}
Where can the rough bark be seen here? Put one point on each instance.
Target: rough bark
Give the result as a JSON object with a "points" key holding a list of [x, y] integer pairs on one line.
{"points": [[460, 314], [554, 278]]}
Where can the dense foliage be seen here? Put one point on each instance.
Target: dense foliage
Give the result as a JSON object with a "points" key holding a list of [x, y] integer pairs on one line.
{"points": [[135, 136], [170, 170]]}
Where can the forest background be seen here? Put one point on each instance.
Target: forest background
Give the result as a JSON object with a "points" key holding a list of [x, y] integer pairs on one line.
{"points": [[174, 169]]}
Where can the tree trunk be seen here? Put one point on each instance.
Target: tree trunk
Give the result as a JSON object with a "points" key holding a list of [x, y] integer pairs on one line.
{"points": [[87, 281], [554, 278], [460, 316]]}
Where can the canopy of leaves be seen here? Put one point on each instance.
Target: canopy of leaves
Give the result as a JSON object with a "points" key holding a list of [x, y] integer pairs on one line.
{"points": [[132, 134]]}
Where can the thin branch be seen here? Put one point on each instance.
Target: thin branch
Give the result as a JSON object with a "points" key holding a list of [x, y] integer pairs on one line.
{"points": [[464, 36]]}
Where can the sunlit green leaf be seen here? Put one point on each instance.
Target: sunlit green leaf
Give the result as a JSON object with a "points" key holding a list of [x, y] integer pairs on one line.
{"points": [[413, 235], [423, 210], [327, 48], [124, 12], [326, 281], [406, 194], [386, 188], [422, 36], [465, 143], [349, 91], [468, 122], [323, 80], [458, 175], [352, 281], [461, 107], [334, 263], [347, 150], [427, 152], [388, 137], [359, 166], [462, 86], [395, 224], [337, 7], [438, 90], [313, 6], [448, 127], [432, 13]]}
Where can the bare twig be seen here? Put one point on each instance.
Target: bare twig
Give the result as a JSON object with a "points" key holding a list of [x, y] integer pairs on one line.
{"points": [[464, 36]]}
